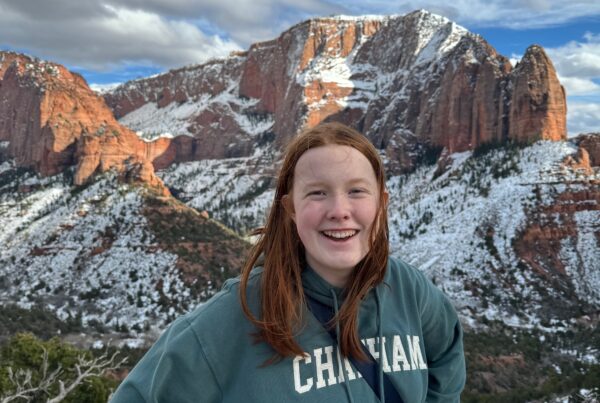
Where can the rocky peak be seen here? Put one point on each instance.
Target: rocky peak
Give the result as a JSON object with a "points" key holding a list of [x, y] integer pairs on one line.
{"points": [[409, 83], [284, 74], [538, 106], [6, 60], [52, 120], [416, 38]]}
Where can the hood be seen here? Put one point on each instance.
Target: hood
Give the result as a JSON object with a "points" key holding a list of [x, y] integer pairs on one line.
{"points": [[319, 289]]}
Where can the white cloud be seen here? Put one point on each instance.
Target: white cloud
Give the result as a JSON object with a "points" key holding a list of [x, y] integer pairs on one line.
{"points": [[518, 14], [581, 59], [109, 37], [107, 34], [583, 118], [167, 33], [246, 21], [579, 85]]}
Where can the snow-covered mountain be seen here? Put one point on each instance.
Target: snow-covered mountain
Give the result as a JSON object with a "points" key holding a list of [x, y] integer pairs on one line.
{"points": [[409, 83], [464, 221]]}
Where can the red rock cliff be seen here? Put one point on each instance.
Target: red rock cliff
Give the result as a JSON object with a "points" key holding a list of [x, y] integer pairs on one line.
{"points": [[52, 120], [406, 82], [538, 106]]}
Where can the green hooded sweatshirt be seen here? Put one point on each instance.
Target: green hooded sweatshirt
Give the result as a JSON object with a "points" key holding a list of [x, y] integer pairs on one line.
{"points": [[210, 355]]}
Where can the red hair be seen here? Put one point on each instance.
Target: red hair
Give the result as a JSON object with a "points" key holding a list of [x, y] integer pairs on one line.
{"points": [[281, 292]]}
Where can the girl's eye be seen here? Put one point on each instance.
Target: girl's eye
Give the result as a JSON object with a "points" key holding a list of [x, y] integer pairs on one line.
{"points": [[316, 193], [357, 191]]}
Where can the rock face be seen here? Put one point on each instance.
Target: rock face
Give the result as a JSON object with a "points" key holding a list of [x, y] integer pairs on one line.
{"points": [[201, 97], [591, 144], [52, 120], [409, 83], [538, 107], [548, 243]]}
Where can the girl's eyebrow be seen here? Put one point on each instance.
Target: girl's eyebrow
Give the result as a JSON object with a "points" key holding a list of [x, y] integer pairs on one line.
{"points": [[351, 182], [361, 180], [313, 184]]}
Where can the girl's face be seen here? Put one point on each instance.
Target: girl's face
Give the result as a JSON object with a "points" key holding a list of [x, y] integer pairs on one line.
{"points": [[335, 201]]}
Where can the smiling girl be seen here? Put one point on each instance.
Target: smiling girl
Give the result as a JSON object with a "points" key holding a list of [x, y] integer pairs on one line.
{"points": [[328, 315]]}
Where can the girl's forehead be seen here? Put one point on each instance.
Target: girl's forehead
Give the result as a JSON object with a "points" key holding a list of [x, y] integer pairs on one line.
{"points": [[333, 162]]}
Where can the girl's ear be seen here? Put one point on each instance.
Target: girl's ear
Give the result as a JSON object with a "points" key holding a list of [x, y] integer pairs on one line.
{"points": [[386, 197], [288, 206]]}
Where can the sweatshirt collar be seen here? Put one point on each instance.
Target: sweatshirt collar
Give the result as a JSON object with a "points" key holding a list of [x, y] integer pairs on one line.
{"points": [[318, 288]]}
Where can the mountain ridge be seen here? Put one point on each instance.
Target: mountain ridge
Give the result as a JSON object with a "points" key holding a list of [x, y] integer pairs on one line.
{"points": [[315, 71]]}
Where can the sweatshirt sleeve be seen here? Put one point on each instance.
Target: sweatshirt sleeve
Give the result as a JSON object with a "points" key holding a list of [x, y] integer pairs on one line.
{"points": [[175, 369], [443, 339]]}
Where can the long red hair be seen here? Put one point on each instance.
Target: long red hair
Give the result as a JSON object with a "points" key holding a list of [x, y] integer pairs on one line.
{"points": [[282, 252]]}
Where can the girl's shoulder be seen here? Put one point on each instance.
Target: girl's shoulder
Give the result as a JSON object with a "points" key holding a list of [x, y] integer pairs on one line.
{"points": [[224, 308], [399, 270], [411, 283]]}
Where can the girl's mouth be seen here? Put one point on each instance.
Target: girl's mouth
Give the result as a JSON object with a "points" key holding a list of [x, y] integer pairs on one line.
{"points": [[340, 235]]}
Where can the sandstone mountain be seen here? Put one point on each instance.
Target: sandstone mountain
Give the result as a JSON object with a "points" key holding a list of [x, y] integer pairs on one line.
{"points": [[413, 84], [52, 120], [410, 83]]}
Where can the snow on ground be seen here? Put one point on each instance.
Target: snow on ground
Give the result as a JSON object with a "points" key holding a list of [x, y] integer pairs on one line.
{"points": [[234, 190], [436, 36], [101, 89], [459, 227], [151, 121], [582, 256], [89, 252]]}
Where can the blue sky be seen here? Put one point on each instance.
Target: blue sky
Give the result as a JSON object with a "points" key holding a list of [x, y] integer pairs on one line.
{"points": [[111, 41]]}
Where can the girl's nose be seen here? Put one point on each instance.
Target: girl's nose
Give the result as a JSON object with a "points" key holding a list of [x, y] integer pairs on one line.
{"points": [[339, 208]]}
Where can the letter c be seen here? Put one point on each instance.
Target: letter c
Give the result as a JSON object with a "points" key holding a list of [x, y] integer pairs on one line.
{"points": [[297, 381]]}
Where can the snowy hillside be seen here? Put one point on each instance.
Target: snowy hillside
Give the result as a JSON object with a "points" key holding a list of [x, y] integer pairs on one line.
{"points": [[121, 262], [104, 254], [87, 252], [529, 309], [151, 121], [462, 227], [459, 226], [237, 191]]}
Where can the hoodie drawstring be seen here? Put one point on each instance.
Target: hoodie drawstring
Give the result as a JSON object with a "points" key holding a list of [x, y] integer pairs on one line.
{"points": [[381, 345], [379, 336], [337, 336]]}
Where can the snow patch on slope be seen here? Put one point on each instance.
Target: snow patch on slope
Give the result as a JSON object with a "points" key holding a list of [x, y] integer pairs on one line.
{"points": [[236, 191], [87, 252]]}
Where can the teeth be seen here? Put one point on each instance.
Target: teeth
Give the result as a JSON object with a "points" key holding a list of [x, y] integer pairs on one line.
{"points": [[339, 234]]}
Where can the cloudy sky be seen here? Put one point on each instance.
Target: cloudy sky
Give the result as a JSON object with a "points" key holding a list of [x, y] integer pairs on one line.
{"points": [[111, 41]]}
